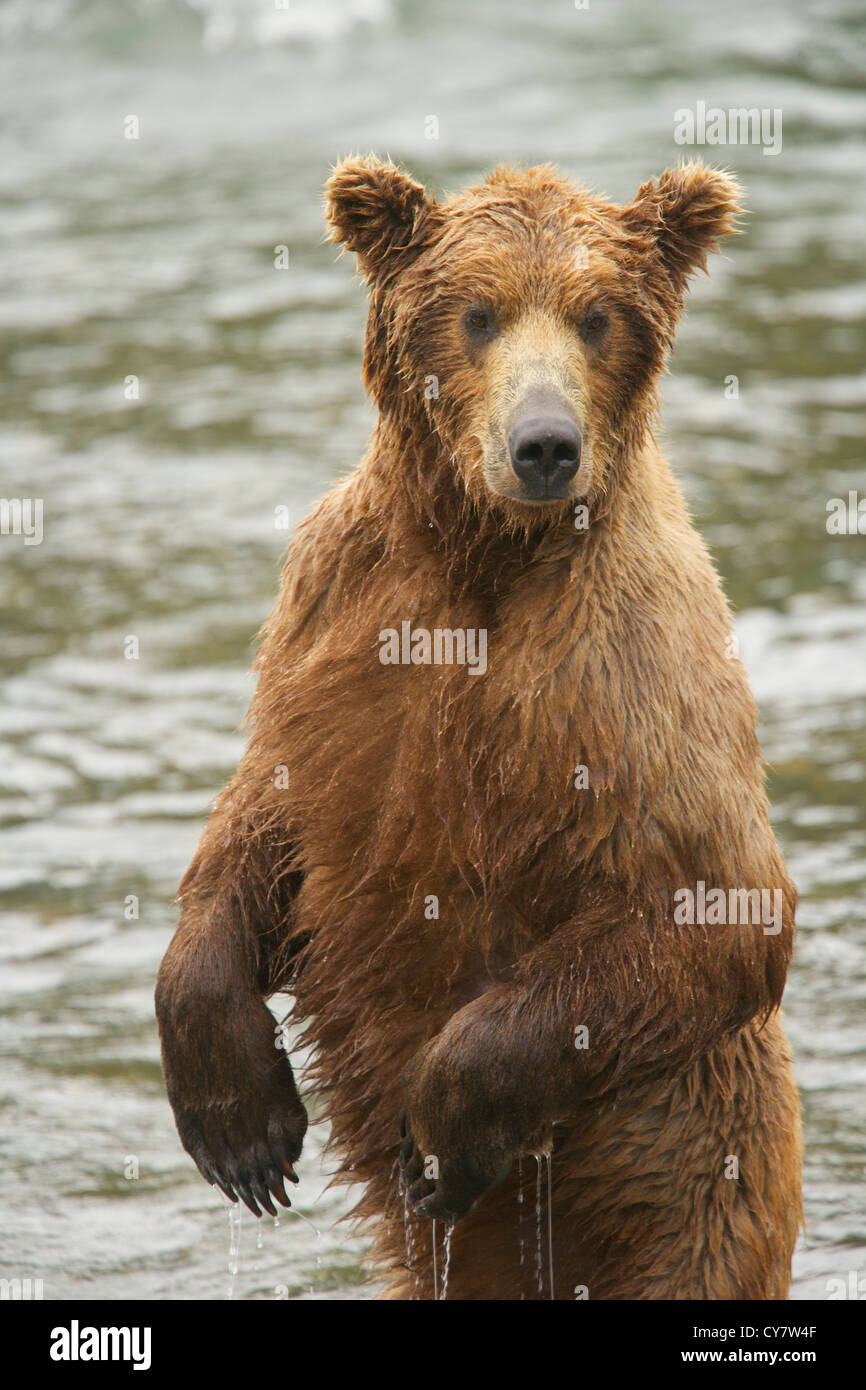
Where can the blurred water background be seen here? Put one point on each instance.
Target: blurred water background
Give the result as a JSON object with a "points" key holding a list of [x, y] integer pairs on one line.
{"points": [[155, 257]]}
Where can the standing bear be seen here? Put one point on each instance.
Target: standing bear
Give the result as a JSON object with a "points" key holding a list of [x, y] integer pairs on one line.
{"points": [[501, 827]]}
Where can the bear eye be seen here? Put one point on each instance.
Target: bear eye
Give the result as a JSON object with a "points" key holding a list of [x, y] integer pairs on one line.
{"points": [[480, 321], [594, 325]]}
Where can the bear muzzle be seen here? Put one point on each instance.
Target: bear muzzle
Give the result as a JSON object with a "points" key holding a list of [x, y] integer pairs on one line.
{"points": [[544, 446]]}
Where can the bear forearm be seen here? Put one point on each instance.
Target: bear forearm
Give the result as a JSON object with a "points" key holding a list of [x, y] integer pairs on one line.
{"points": [[583, 1016], [211, 958], [593, 1015], [228, 1078], [236, 911]]}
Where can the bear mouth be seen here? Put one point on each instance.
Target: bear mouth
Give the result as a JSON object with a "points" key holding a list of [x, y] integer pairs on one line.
{"points": [[546, 493], [546, 496], [542, 494]]}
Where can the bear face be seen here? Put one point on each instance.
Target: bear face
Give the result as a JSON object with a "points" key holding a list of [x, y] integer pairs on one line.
{"points": [[527, 318]]}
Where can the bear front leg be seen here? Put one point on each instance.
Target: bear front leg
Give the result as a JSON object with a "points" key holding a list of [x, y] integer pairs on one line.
{"points": [[229, 1082], [617, 996], [467, 1117]]}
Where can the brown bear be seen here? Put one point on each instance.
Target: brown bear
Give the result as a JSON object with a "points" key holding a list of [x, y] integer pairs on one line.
{"points": [[501, 826]]}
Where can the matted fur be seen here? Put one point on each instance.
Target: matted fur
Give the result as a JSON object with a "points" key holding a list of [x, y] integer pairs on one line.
{"points": [[607, 648]]}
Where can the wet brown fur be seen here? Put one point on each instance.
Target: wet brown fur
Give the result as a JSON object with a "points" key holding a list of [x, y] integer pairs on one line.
{"points": [[607, 648]]}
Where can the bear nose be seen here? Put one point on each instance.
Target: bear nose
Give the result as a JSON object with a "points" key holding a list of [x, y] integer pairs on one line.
{"points": [[545, 453]]}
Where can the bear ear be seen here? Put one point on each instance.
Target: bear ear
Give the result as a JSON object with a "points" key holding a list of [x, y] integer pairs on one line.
{"points": [[375, 210], [685, 213]]}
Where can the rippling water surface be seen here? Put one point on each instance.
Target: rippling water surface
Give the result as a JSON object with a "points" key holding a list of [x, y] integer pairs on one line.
{"points": [[154, 258]]}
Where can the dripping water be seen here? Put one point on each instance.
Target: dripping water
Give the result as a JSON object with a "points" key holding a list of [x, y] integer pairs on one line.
{"points": [[234, 1260], [293, 1211], [449, 1229], [548, 1158], [409, 1231], [435, 1276], [538, 1222], [520, 1236], [260, 1242]]}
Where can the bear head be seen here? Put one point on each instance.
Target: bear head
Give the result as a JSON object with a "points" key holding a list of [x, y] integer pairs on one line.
{"points": [[526, 321]]}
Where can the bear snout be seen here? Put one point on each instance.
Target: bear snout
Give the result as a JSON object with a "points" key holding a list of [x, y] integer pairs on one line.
{"points": [[544, 445]]}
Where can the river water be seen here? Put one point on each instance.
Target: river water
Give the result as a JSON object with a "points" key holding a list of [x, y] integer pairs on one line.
{"points": [[153, 258]]}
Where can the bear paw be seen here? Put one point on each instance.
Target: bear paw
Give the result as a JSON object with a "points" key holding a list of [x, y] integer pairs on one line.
{"points": [[244, 1153], [447, 1188]]}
